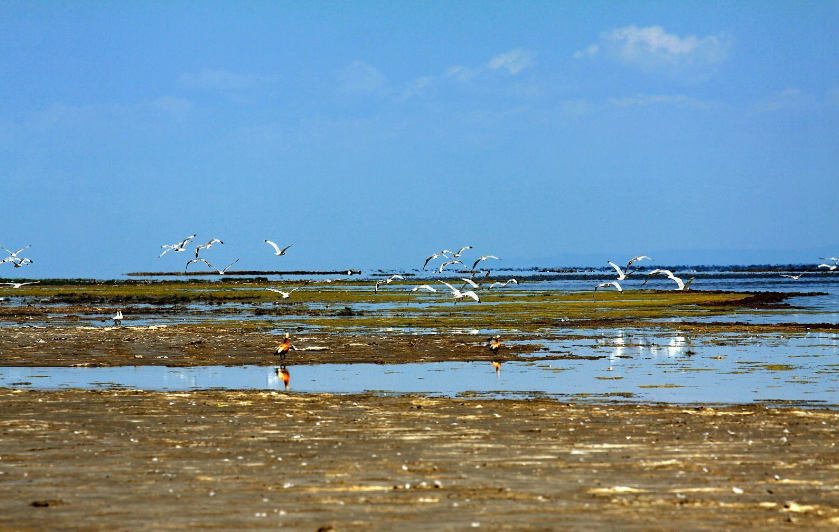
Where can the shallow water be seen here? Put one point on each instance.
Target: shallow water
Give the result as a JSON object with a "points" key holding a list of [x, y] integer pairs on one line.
{"points": [[629, 365]]}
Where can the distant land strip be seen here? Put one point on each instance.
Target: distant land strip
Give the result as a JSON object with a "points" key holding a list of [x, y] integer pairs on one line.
{"points": [[244, 272]]}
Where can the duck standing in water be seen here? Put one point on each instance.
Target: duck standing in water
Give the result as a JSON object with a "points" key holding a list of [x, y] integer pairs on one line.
{"points": [[285, 347], [494, 346]]}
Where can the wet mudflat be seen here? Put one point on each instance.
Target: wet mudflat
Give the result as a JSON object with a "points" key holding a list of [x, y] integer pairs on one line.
{"points": [[235, 459], [128, 460]]}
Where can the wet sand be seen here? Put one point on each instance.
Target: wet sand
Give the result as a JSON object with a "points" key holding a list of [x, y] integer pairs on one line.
{"points": [[212, 460]]}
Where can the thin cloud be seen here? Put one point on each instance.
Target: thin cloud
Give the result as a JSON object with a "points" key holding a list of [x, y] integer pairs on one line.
{"points": [[513, 61], [510, 63], [359, 78], [221, 80], [678, 100], [652, 49], [790, 99]]}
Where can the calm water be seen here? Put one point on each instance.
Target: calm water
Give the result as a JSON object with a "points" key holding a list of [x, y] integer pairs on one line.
{"points": [[630, 365]]}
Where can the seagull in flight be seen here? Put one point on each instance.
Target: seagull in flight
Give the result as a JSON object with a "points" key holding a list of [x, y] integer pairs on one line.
{"points": [[450, 262], [458, 294], [222, 272], [285, 295], [484, 257], [434, 256], [21, 262], [469, 282], [16, 252], [208, 245], [464, 248], [623, 274], [179, 247], [18, 285], [277, 251], [607, 285], [388, 280], [423, 287], [680, 284], [795, 277], [508, 281], [197, 259]]}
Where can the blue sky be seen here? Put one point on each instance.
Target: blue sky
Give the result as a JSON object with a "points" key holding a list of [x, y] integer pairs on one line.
{"points": [[371, 134]]}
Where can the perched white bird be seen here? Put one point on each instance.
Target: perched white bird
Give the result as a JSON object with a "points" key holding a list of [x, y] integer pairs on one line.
{"points": [[179, 247], [450, 262], [18, 285], [484, 257], [285, 295], [508, 281], [423, 287], [222, 272], [277, 250], [607, 285], [623, 274], [208, 245], [434, 256], [118, 318], [16, 252]]}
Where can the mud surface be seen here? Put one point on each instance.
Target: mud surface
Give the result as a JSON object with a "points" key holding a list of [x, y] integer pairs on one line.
{"points": [[196, 345], [92, 460]]}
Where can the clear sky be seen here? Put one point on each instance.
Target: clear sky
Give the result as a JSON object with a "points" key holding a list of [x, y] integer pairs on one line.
{"points": [[371, 134]]}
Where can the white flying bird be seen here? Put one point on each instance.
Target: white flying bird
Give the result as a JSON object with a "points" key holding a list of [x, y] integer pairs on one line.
{"points": [[607, 285], [277, 249], [16, 252], [680, 284], [508, 281], [623, 274], [464, 248], [423, 287], [470, 282], [484, 257], [208, 245], [198, 259], [434, 256], [18, 285], [830, 267], [834, 259], [458, 294], [795, 277], [468, 293], [387, 281], [450, 262], [179, 247], [21, 262], [285, 295], [222, 272]]}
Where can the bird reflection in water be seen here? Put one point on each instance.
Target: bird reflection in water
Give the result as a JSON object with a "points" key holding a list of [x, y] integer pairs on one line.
{"points": [[282, 373], [497, 365]]}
